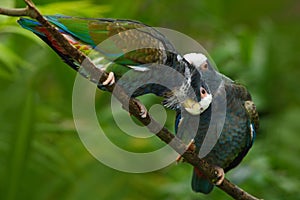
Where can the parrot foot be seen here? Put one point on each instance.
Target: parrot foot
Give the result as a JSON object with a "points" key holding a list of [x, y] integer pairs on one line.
{"points": [[143, 110], [219, 175], [190, 147], [110, 79]]}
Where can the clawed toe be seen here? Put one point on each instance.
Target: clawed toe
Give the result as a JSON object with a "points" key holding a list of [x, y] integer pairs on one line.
{"points": [[110, 79], [191, 147], [220, 175], [143, 110]]}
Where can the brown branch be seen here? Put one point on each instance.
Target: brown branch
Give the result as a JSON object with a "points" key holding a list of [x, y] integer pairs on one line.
{"points": [[15, 12], [161, 132]]}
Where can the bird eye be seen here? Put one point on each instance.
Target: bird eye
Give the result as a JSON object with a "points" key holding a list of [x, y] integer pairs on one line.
{"points": [[203, 93], [204, 66]]}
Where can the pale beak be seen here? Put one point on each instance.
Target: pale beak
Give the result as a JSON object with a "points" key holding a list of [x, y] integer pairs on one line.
{"points": [[196, 108]]}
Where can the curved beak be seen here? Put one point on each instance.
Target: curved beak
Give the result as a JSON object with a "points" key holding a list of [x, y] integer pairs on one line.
{"points": [[196, 108]]}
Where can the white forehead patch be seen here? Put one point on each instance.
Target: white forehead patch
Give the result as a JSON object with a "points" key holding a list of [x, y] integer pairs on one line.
{"points": [[196, 59]]}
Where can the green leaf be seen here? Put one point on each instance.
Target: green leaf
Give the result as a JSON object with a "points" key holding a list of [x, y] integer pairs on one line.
{"points": [[11, 61], [6, 4], [71, 8], [20, 146]]}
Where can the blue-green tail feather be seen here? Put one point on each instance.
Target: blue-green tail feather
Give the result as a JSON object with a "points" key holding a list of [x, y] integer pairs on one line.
{"points": [[200, 184], [32, 25]]}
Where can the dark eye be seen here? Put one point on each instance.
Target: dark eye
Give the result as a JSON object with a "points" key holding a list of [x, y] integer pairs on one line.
{"points": [[204, 66], [203, 91]]}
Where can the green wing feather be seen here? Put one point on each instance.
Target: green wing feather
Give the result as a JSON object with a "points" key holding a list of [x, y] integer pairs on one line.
{"points": [[114, 45], [122, 41]]}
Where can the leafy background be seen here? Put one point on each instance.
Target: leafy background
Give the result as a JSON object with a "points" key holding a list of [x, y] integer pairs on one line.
{"points": [[41, 157]]}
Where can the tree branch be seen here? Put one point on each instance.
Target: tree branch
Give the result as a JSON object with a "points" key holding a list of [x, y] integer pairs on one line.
{"points": [[14, 11], [94, 73]]}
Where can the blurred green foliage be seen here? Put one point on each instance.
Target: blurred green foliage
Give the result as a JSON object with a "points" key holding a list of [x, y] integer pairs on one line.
{"points": [[41, 156]]}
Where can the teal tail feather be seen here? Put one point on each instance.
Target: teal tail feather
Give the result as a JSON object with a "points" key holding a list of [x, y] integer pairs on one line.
{"points": [[38, 29], [200, 184], [33, 25], [30, 25]]}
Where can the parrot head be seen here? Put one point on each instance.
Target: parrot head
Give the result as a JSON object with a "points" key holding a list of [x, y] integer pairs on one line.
{"points": [[193, 95], [203, 81]]}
